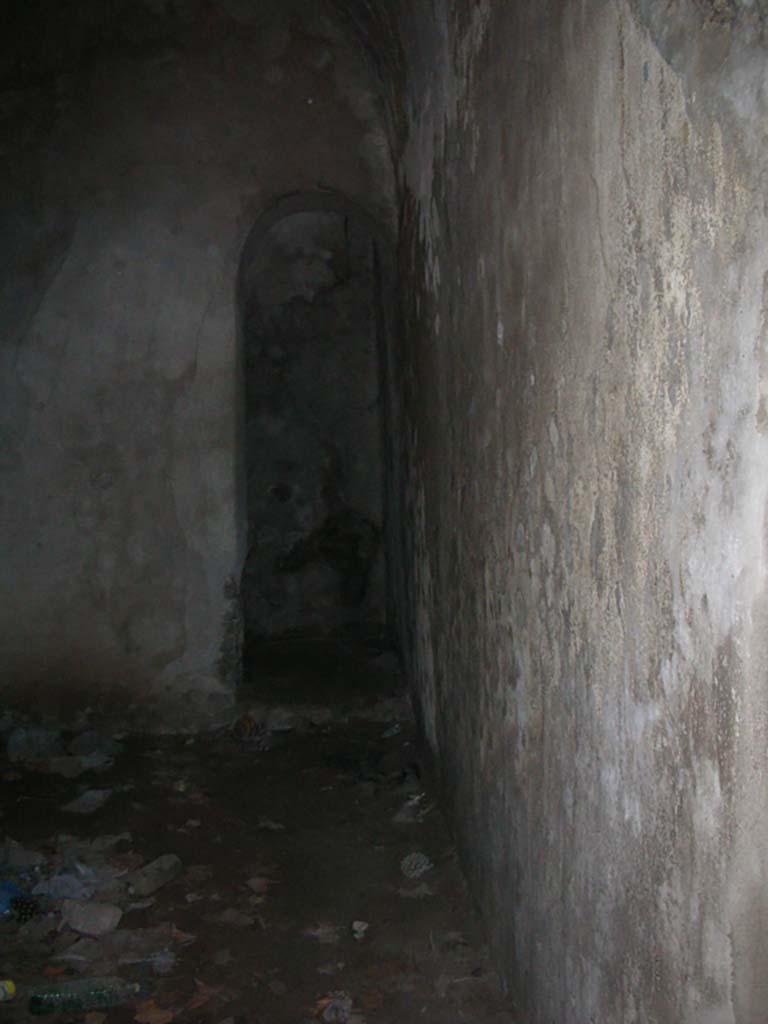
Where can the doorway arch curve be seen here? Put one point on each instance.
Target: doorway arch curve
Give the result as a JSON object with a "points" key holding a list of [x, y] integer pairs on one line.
{"points": [[314, 295]]}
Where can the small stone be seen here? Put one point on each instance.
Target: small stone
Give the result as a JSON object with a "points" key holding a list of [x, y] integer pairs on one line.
{"points": [[415, 865], [155, 875], [88, 802], [87, 918], [414, 810], [260, 886]]}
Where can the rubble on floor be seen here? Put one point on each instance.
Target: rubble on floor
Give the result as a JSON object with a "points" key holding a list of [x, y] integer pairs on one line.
{"points": [[272, 871]]}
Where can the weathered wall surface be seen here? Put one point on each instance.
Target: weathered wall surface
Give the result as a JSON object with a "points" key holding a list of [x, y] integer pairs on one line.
{"points": [[140, 141], [585, 456], [313, 427]]}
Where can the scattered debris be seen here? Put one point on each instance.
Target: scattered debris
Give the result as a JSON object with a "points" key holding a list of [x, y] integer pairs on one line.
{"points": [[271, 826], [150, 946], [260, 886], [415, 865], [414, 810], [91, 742], [203, 995], [162, 962], [14, 857], [328, 934], [283, 720], [32, 744], [70, 884], [88, 802], [337, 1008], [155, 875], [92, 919], [149, 1012], [84, 994], [141, 904], [25, 908], [331, 968], [82, 886], [9, 893], [35, 930]]}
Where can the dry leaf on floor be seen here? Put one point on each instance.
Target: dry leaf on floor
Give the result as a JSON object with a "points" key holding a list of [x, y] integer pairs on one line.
{"points": [[95, 1018], [149, 1012], [183, 937], [203, 995], [53, 969]]}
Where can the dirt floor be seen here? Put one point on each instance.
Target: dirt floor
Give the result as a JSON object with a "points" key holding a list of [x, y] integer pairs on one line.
{"points": [[315, 878]]}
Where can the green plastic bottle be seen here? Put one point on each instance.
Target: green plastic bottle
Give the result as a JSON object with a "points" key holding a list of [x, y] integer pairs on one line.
{"points": [[83, 994]]}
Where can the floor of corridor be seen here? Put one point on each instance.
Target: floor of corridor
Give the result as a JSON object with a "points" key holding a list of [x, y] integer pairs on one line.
{"points": [[317, 880]]}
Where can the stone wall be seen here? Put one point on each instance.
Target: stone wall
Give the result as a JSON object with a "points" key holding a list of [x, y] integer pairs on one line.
{"points": [[585, 464], [140, 143]]}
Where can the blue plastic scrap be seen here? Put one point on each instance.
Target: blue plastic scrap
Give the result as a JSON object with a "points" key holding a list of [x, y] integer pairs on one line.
{"points": [[9, 892]]}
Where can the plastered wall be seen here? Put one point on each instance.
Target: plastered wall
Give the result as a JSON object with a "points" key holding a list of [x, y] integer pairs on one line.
{"points": [[140, 143], [584, 461]]}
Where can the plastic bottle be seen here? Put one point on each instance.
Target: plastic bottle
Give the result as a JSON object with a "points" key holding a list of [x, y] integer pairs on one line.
{"points": [[83, 994], [7, 990]]}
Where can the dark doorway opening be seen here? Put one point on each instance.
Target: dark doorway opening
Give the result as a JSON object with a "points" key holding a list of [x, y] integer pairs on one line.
{"points": [[310, 297]]}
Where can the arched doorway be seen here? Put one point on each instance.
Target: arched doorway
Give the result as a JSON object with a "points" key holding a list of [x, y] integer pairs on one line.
{"points": [[311, 300]]}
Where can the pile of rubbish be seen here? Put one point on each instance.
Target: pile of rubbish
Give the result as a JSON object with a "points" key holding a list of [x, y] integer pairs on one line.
{"points": [[66, 904]]}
